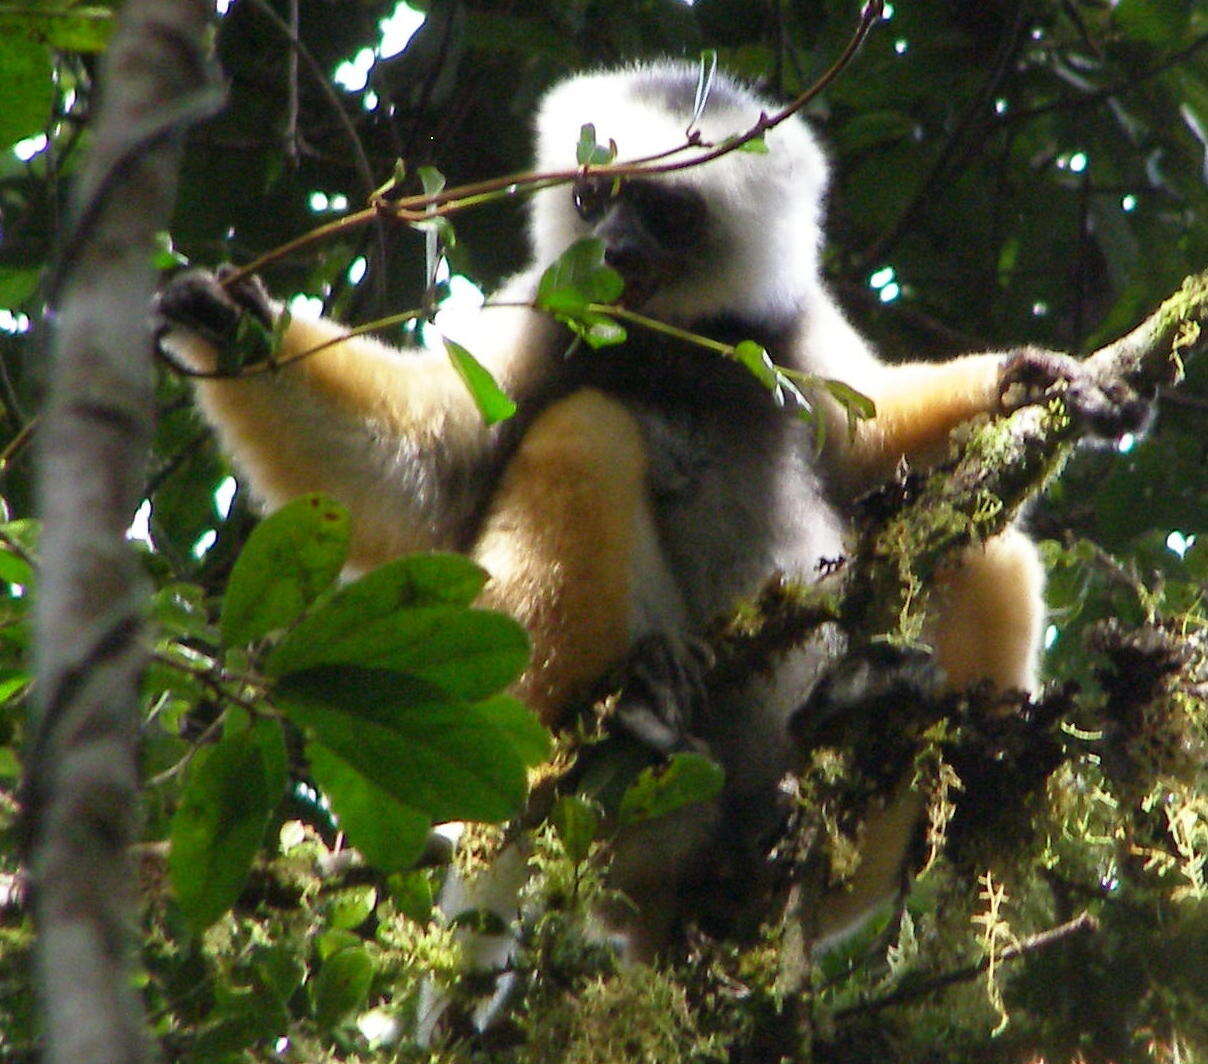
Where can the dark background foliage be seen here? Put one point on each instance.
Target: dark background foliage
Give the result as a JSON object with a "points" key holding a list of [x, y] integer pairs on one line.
{"points": [[1003, 172]]}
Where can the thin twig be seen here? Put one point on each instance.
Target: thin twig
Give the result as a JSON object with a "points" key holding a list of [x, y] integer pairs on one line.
{"points": [[424, 207], [978, 104], [1081, 924], [1116, 88], [359, 157]]}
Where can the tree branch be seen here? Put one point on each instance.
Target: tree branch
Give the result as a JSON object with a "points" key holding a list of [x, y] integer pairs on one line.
{"points": [[998, 466], [1079, 925], [81, 788]]}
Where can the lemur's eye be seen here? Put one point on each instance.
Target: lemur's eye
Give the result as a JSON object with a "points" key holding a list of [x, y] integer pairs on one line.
{"points": [[591, 197]]}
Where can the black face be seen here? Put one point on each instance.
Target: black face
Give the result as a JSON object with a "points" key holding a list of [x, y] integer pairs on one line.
{"points": [[651, 229]]}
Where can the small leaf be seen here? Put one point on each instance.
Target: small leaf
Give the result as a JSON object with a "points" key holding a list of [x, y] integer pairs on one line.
{"points": [[432, 180], [598, 330], [684, 780], [589, 152], [756, 358], [218, 827], [858, 405], [342, 985], [755, 146], [577, 823], [290, 557], [576, 278], [166, 257], [390, 835], [448, 760], [412, 895], [252, 344], [447, 236], [494, 404], [347, 909]]}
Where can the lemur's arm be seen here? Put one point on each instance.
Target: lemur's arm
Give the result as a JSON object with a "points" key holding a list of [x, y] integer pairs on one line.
{"points": [[920, 403], [392, 434]]}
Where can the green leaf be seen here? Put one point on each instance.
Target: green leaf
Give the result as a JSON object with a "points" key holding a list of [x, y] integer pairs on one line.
{"points": [[494, 404], [575, 281], [467, 653], [756, 358], [219, 826], [16, 286], [347, 909], [1156, 22], [754, 146], [26, 86], [434, 579], [448, 760], [1196, 559], [857, 404], [577, 823], [589, 152], [290, 557], [576, 278], [684, 780], [342, 985], [334, 939], [432, 180], [389, 834], [412, 895], [76, 28], [278, 970], [240, 1018], [15, 570], [166, 256], [10, 767], [268, 736]]}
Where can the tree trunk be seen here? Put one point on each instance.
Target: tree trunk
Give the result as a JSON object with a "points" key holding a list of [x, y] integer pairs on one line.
{"points": [[81, 791]]}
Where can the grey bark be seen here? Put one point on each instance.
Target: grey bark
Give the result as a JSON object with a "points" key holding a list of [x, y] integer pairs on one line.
{"points": [[81, 791]]}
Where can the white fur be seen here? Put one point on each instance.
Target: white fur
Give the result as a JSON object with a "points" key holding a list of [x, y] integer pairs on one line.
{"points": [[765, 277]]}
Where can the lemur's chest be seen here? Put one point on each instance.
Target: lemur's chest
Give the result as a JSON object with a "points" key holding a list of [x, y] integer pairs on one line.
{"points": [[734, 502]]}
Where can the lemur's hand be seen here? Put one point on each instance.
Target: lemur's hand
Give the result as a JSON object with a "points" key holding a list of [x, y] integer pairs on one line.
{"points": [[1103, 408], [663, 693], [195, 304]]}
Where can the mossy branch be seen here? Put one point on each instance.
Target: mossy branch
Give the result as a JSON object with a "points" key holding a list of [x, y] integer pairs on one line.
{"points": [[912, 526]]}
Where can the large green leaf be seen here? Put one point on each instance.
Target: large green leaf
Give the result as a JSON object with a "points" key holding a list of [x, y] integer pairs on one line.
{"points": [[446, 759], [292, 556], [65, 26], [467, 653], [342, 985], [26, 87], [219, 824], [389, 834]]}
